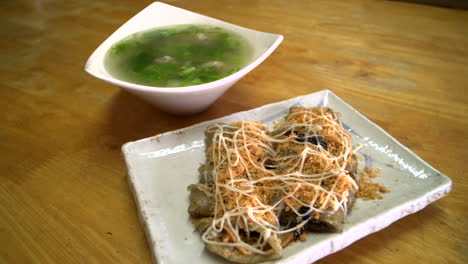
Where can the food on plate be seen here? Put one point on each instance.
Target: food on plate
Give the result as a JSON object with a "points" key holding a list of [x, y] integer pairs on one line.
{"points": [[368, 189], [261, 189], [180, 55]]}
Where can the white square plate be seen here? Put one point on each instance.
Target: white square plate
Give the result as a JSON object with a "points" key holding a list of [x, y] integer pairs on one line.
{"points": [[161, 167]]}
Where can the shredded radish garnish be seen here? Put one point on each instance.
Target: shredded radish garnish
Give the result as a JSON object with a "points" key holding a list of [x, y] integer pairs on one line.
{"points": [[258, 175]]}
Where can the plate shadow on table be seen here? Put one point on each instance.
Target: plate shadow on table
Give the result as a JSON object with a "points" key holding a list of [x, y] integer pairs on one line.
{"points": [[388, 238]]}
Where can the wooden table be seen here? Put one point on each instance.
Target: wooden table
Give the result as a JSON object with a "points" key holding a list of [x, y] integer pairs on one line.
{"points": [[64, 196]]}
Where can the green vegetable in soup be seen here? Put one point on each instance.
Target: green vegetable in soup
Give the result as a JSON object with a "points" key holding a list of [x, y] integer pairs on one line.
{"points": [[175, 56]]}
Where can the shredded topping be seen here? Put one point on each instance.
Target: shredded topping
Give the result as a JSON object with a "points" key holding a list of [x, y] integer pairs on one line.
{"points": [[257, 175], [368, 189]]}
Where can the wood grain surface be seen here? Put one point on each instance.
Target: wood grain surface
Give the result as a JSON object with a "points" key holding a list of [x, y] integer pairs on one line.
{"points": [[64, 196]]}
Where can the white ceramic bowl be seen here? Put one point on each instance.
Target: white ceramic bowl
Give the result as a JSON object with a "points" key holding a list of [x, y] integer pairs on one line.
{"points": [[180, 100]]}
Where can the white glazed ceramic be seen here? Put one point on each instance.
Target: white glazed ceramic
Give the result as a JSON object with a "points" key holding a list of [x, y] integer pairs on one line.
{"points": [[161, 167], [181, 100]]}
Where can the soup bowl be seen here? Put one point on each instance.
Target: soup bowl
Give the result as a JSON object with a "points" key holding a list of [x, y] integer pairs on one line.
{"points": [[188, 99]]}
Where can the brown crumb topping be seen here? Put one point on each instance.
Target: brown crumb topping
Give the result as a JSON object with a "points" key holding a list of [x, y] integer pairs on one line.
{"points": [[368, 189]]}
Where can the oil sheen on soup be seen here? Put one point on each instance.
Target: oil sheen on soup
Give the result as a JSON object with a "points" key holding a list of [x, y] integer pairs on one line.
{"points": [[175, 56]]}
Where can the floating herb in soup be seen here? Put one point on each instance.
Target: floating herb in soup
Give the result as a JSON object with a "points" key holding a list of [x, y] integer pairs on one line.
{"points": [[175, 56]]}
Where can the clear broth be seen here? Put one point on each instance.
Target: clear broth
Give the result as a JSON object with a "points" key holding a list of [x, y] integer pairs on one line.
{"points": [[175, 56]]}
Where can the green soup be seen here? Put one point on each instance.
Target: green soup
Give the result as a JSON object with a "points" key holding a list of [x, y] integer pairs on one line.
{"points": [[180, 55]]}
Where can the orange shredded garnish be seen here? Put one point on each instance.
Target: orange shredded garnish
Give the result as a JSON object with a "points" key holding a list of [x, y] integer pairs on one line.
{"points": [[258, 173]]}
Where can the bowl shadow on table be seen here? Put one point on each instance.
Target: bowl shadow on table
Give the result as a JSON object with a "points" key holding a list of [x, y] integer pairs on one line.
{"points": [[131, 118]]}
